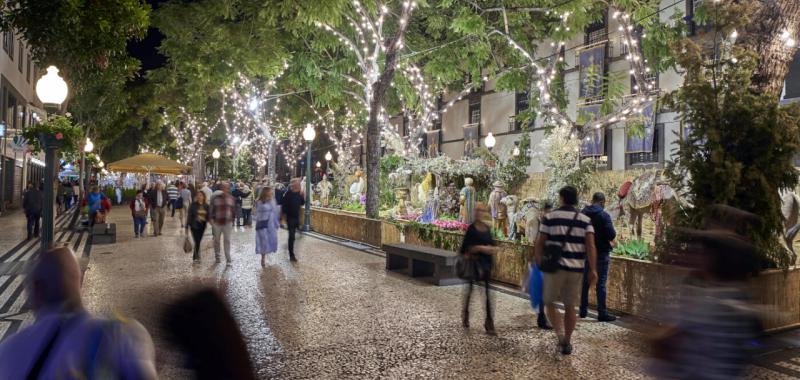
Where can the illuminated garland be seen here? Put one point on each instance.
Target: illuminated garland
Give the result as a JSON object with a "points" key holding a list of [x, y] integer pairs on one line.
{"points": [[190, 135], [366, 41]]}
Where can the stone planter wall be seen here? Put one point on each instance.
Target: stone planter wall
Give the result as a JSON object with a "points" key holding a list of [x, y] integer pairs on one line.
{"points": [[635, 287]]}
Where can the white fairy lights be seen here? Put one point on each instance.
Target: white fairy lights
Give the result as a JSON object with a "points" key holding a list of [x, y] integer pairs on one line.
{"points": [[365, 39]]}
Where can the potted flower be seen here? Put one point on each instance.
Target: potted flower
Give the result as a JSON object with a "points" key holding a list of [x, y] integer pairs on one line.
{"points": [[55, 132]]}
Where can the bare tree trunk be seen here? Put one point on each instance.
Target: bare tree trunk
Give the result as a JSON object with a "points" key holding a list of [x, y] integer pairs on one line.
{"points": [[763, 37]]}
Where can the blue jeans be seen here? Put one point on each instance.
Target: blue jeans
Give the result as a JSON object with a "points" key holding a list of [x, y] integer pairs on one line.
{"points": [[138, 225], [603, 262]]}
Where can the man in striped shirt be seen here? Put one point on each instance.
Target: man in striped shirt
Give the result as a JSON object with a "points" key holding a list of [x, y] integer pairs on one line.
{"points": [[573, 232], [172, 193]]}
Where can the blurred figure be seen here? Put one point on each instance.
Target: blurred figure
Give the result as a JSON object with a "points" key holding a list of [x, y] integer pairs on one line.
{"points": [[172, 193], [717, 326], [159, 201], [604, 234], [197, 221], [183, 202], [247, 205], [223, 209], [572, 233], [139, 208], [207, 191], [478, 247], [541, 317], [267, 215], [32, 204], [290, 209], [65, 341], [204, 327]]}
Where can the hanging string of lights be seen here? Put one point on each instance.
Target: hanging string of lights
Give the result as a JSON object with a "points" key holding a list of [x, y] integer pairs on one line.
{"points": [[645, 89], [366, 40], [190, 134]]}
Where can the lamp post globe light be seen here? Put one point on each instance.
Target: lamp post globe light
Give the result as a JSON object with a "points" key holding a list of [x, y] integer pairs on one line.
{"points": [[308, 134], [215, 155], [328, 158], [52, 91], [490, 141]]}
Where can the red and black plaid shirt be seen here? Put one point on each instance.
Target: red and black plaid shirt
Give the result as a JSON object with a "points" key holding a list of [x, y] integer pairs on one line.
{"points": [[222, 209]]}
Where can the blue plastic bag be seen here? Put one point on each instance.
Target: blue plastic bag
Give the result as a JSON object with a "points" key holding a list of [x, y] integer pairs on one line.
{"points": [[535, 282]]}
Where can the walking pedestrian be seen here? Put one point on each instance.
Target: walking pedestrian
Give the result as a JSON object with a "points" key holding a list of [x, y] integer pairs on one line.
{"points": [[139, 206], [94, 200], [69, 197], [149, 193], [222, 214], [239, 194], [568, 237], [247, 205], [477, 248], [158, 202], [184, 200], [604, 235], [65, 341], [76, 192], [172, 193], [197, 220], [118, 193], [32, 204], [207, 191], [267, 215], [290, 210]]}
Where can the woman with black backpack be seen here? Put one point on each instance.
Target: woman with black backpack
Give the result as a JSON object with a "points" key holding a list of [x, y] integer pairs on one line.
{"points": [[477, 250]]}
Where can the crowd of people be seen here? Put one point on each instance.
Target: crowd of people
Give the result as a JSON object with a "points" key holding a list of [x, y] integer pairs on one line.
{"points": [[222, 205], [572, 249]]}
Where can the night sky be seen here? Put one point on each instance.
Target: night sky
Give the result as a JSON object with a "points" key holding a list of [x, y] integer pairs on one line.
{"points": [[146, 49]]}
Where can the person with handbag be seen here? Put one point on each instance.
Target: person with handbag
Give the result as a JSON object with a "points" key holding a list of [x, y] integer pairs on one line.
{"points": [[477, 249], [139, 207], [564, 246], [267, 224], [197, 221]]}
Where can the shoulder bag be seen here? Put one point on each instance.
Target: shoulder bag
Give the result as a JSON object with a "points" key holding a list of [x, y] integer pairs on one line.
{"points": [[553, 252]]}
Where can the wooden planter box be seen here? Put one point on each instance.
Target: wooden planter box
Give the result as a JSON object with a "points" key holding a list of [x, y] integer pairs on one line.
{"points": [[635, 287]]}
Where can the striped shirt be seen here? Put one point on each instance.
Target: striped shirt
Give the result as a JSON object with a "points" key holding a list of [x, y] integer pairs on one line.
{"points": [[172, 192], [556, 224]]}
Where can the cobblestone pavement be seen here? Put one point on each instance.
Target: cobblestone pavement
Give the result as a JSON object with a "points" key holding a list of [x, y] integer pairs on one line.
{"points": [[338, 314]]}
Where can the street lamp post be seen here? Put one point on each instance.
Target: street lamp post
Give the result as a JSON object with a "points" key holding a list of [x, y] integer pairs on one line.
{"points": [[215, 155], [52, 91], [328, 158], [308, 134]]}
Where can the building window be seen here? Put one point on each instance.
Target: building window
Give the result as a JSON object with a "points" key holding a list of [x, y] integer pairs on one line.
{"points": [[648, 158], [9, 42], [475, 113], [522, 105], [21, 61], [650, 77], [28, 69], [596, 31], [5, 41]]}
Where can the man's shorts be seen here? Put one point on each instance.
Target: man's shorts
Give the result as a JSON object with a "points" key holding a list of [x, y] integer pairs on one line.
{"points": [[562, 286]]}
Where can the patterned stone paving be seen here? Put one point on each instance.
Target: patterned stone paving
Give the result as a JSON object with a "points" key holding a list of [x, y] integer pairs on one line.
{"points": [[337, 314]]}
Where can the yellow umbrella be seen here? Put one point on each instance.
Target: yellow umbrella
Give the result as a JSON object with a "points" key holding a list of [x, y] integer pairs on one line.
{"points": [[149, 163]]}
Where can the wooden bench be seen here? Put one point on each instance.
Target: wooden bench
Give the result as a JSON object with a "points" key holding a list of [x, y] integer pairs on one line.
{"points": [[437, 265], [103, 233]]}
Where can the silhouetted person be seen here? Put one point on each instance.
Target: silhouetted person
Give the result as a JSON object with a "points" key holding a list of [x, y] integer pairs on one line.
{"points": [[65, 341], [290, 209], [32, 204], [203, 326]]}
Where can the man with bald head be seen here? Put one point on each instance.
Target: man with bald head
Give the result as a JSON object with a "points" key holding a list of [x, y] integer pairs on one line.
{"points": [[65, 341]]}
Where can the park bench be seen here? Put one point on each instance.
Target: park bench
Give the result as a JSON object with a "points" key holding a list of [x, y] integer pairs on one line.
{"points": [[104, 233], [436, 265]]}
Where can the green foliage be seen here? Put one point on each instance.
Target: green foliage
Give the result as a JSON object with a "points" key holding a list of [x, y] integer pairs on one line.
{"points": [[633, 248], [353, 207], [54, 126], [740, 144]]}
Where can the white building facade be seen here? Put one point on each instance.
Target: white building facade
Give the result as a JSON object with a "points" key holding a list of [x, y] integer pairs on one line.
{"points": [[19, 108]]}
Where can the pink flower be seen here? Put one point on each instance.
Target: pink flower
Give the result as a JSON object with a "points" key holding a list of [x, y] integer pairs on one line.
{"points": [[59, 136]]}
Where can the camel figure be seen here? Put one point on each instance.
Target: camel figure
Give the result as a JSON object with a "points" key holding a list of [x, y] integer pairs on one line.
{"points": [[649, 193], [526, 221]]}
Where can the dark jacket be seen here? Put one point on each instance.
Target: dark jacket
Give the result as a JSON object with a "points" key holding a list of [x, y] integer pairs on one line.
{"points": [[32, 201], [152, 197], [191, 220], [290, 205], [604, 231]]}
